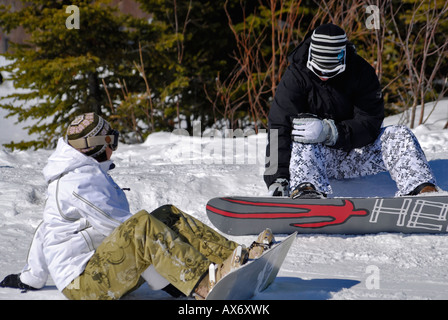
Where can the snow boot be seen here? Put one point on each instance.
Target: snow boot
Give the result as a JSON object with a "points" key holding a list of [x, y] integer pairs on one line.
{"points": [[264, 242], [307, 190], [423, 188], [238, 257]]}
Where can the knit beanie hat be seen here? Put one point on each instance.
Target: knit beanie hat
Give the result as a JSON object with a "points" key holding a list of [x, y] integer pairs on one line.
{"points": [[86, 126], [327, 51]]}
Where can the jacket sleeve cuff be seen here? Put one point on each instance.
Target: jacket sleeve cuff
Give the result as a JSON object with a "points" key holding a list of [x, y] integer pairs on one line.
{"points": [[29, 279], [333, 134]]}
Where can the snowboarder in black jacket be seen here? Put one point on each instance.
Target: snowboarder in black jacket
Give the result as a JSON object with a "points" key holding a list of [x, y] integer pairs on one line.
{"points": [[328, 103]]}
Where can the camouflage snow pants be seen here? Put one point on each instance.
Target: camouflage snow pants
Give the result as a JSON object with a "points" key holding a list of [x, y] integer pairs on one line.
{"points": [[179, 247], [395, 150]]}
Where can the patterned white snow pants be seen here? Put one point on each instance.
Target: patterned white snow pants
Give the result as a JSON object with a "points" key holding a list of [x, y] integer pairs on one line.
{"points": [[395, 150]]}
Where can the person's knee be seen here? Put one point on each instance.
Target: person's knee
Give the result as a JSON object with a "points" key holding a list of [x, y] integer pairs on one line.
{"points": [[142, 217], [168, 214], [140, 214], [398, 130]]}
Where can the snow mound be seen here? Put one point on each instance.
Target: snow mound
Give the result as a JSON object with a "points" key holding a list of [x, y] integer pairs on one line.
{"points": [[188, 171]]}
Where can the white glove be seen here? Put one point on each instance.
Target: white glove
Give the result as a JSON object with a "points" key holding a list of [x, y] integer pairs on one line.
{"points": [[280, 188], [307, 128]]}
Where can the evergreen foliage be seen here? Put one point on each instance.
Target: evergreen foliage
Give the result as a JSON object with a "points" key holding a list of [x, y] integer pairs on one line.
{"points": [[213, 61], [62, 70]]}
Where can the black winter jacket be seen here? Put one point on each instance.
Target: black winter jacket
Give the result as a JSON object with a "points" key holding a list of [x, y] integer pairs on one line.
{"points": [[352, 99]]}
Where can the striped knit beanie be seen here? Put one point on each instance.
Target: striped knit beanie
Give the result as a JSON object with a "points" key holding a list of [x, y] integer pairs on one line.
{"points": [[327, 50], [85, 126]]}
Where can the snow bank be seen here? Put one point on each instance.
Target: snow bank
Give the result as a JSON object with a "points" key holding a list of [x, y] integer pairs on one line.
{"points": [[188, 171]]}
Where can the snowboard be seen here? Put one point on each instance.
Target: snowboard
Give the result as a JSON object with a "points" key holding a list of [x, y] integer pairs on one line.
{"points": [[254, 276], [409, 214]]}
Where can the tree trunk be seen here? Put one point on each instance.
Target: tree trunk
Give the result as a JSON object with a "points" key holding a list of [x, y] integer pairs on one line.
{"points": [[94, 95]]}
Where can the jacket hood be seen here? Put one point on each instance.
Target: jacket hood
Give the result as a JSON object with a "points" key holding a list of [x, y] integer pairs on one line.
{"points": [[300, 54], [65, 159]]}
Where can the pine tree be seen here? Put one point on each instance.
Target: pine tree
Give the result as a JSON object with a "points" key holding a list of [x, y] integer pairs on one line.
{"points": [[198, 44], [144, 75], [63, 69]]}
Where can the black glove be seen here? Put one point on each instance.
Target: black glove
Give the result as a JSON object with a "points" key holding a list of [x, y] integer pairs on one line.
{"points": [[13, 281]]}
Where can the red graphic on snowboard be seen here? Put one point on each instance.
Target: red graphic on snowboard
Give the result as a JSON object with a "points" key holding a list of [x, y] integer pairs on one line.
{"points": [[337, 213]]}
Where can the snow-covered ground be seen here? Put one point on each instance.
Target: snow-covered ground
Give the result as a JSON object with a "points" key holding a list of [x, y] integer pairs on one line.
{"points": [[188, 171]]}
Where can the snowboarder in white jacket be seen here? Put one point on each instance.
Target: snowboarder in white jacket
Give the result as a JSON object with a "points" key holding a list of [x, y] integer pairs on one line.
{"points": [[94, 248]]}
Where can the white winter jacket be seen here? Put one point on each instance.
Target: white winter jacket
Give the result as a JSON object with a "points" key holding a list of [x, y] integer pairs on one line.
{"points": [[84, 205]]}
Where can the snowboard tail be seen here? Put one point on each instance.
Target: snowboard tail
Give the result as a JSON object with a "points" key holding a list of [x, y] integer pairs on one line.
{"points": [[248, 215], [254, 276]]}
